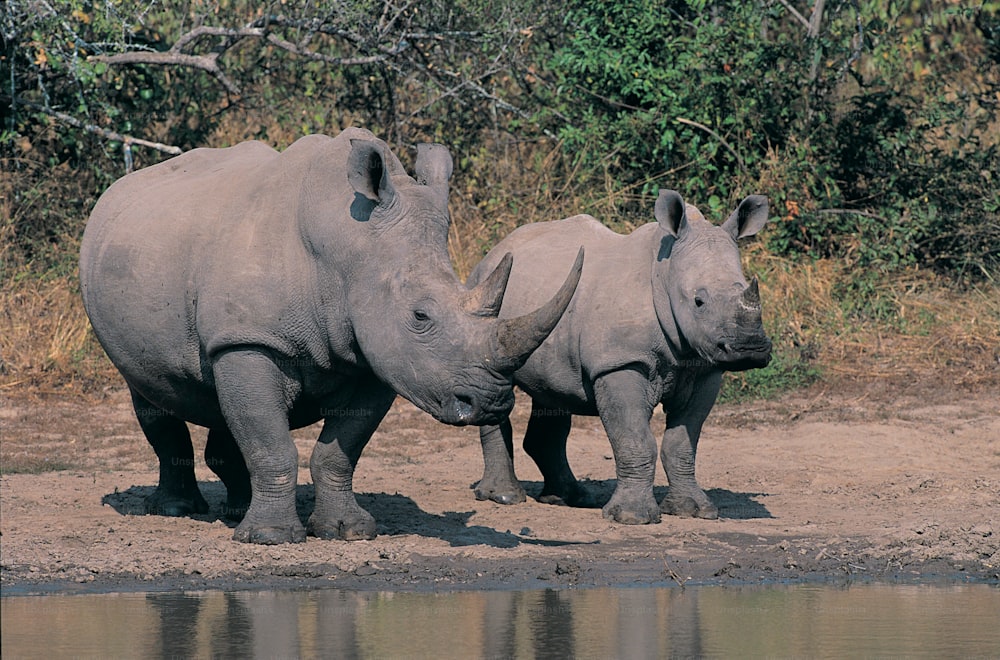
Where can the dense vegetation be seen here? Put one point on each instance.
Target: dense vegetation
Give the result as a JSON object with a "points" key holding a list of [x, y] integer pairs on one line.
{"points": [[871, 126]]}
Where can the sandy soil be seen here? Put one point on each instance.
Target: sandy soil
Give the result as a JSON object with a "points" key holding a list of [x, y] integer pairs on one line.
{"points": [[869, 484]]}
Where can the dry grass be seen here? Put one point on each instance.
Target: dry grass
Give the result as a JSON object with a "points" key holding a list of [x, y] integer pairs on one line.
{"points": [[46, 344], [936, 330]]}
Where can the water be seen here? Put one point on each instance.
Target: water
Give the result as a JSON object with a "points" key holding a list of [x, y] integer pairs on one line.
{"points": [[725, 622]]}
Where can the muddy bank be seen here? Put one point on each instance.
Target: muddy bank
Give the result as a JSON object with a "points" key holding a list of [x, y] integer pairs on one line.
{"points": [[814, 486]]}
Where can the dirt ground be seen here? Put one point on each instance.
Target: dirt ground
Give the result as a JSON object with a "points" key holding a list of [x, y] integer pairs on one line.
{"points": [[868, 482]]}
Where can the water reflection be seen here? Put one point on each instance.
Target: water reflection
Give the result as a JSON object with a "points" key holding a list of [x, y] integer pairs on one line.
{"points": [[805, 620]]}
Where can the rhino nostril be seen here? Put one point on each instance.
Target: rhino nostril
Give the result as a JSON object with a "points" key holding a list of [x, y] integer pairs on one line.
{"points": [[464, 406]]}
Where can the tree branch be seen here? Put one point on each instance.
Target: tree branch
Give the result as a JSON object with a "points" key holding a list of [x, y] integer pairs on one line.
{"points": [[816, 19], [107, 134], [795, 12], [176, 57], [207, 63]]}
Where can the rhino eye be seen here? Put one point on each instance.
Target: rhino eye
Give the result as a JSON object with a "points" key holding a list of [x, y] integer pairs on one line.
{"points": [[698, 302], [420, 321]]}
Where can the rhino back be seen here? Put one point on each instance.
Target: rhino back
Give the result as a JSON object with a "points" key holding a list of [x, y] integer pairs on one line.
{"points": [[205, 251], [610, 321]]}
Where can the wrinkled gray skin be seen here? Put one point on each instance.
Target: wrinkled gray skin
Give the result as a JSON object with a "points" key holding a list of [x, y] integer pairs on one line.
{"points": [[252, 292], [658, 316]]}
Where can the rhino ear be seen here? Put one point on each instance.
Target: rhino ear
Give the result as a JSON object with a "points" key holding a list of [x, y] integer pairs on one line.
{"points": [[748, 218], [368, 173], [669, 212]]}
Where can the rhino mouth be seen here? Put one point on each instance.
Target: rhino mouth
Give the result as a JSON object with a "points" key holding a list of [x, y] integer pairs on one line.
{"points": [[741, 356], [466, 406]]}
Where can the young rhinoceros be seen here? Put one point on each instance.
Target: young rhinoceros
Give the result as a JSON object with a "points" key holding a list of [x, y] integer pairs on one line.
{"points": [[251, 291], [657, 318]]}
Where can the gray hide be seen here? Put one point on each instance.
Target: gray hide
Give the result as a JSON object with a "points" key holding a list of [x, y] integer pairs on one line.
{"points": [[658, 316], [252, 292]]}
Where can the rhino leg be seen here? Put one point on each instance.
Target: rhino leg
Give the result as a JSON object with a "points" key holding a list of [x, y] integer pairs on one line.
{"points": [[680, 445], [223, 457], [499, 483], [337, 514], [622, 401], [177, 493], [545, 442], [253, 394]]}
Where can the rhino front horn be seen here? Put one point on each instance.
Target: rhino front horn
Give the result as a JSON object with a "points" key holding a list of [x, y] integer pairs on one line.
{"points": [[517, 338]]}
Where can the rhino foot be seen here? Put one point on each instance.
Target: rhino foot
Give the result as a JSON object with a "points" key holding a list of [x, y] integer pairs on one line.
{"points": [[500, 495], [343, 531], [346, 522], [162, 503], [269, 535], [689, 507], [577, 497], [632, 510]]}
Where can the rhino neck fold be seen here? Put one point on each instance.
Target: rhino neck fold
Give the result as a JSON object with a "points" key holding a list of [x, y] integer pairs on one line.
{"points": [[659, 274]]}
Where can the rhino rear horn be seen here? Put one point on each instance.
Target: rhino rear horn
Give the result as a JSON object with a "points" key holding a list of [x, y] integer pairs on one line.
{"points": [[487, 297], [434, 164], [517, 338]]}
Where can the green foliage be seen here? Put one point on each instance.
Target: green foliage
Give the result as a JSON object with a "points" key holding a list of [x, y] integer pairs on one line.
{"points": [[669, 93]]}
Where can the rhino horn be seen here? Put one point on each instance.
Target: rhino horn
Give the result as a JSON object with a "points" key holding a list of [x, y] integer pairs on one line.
{"points": [[486, 298], [517, 338], [750, 299], [434, 164]]}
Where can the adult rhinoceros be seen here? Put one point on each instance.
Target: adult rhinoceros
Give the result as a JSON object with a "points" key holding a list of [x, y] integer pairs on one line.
{"points": [[658, 316], [251, 291]]}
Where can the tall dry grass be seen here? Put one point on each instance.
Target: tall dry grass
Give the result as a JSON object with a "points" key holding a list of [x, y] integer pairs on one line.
{"points": [[46, 344], [936, 329]]}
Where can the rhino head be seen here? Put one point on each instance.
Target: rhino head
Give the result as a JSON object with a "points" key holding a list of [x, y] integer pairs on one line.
{"points": [[701, 296], [434, 341]]}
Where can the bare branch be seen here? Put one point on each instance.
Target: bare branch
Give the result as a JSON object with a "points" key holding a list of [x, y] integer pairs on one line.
{"points": [[97, 130], [795, 12], [207, 63], [275, 40], [816, 19], [865, 214]]}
